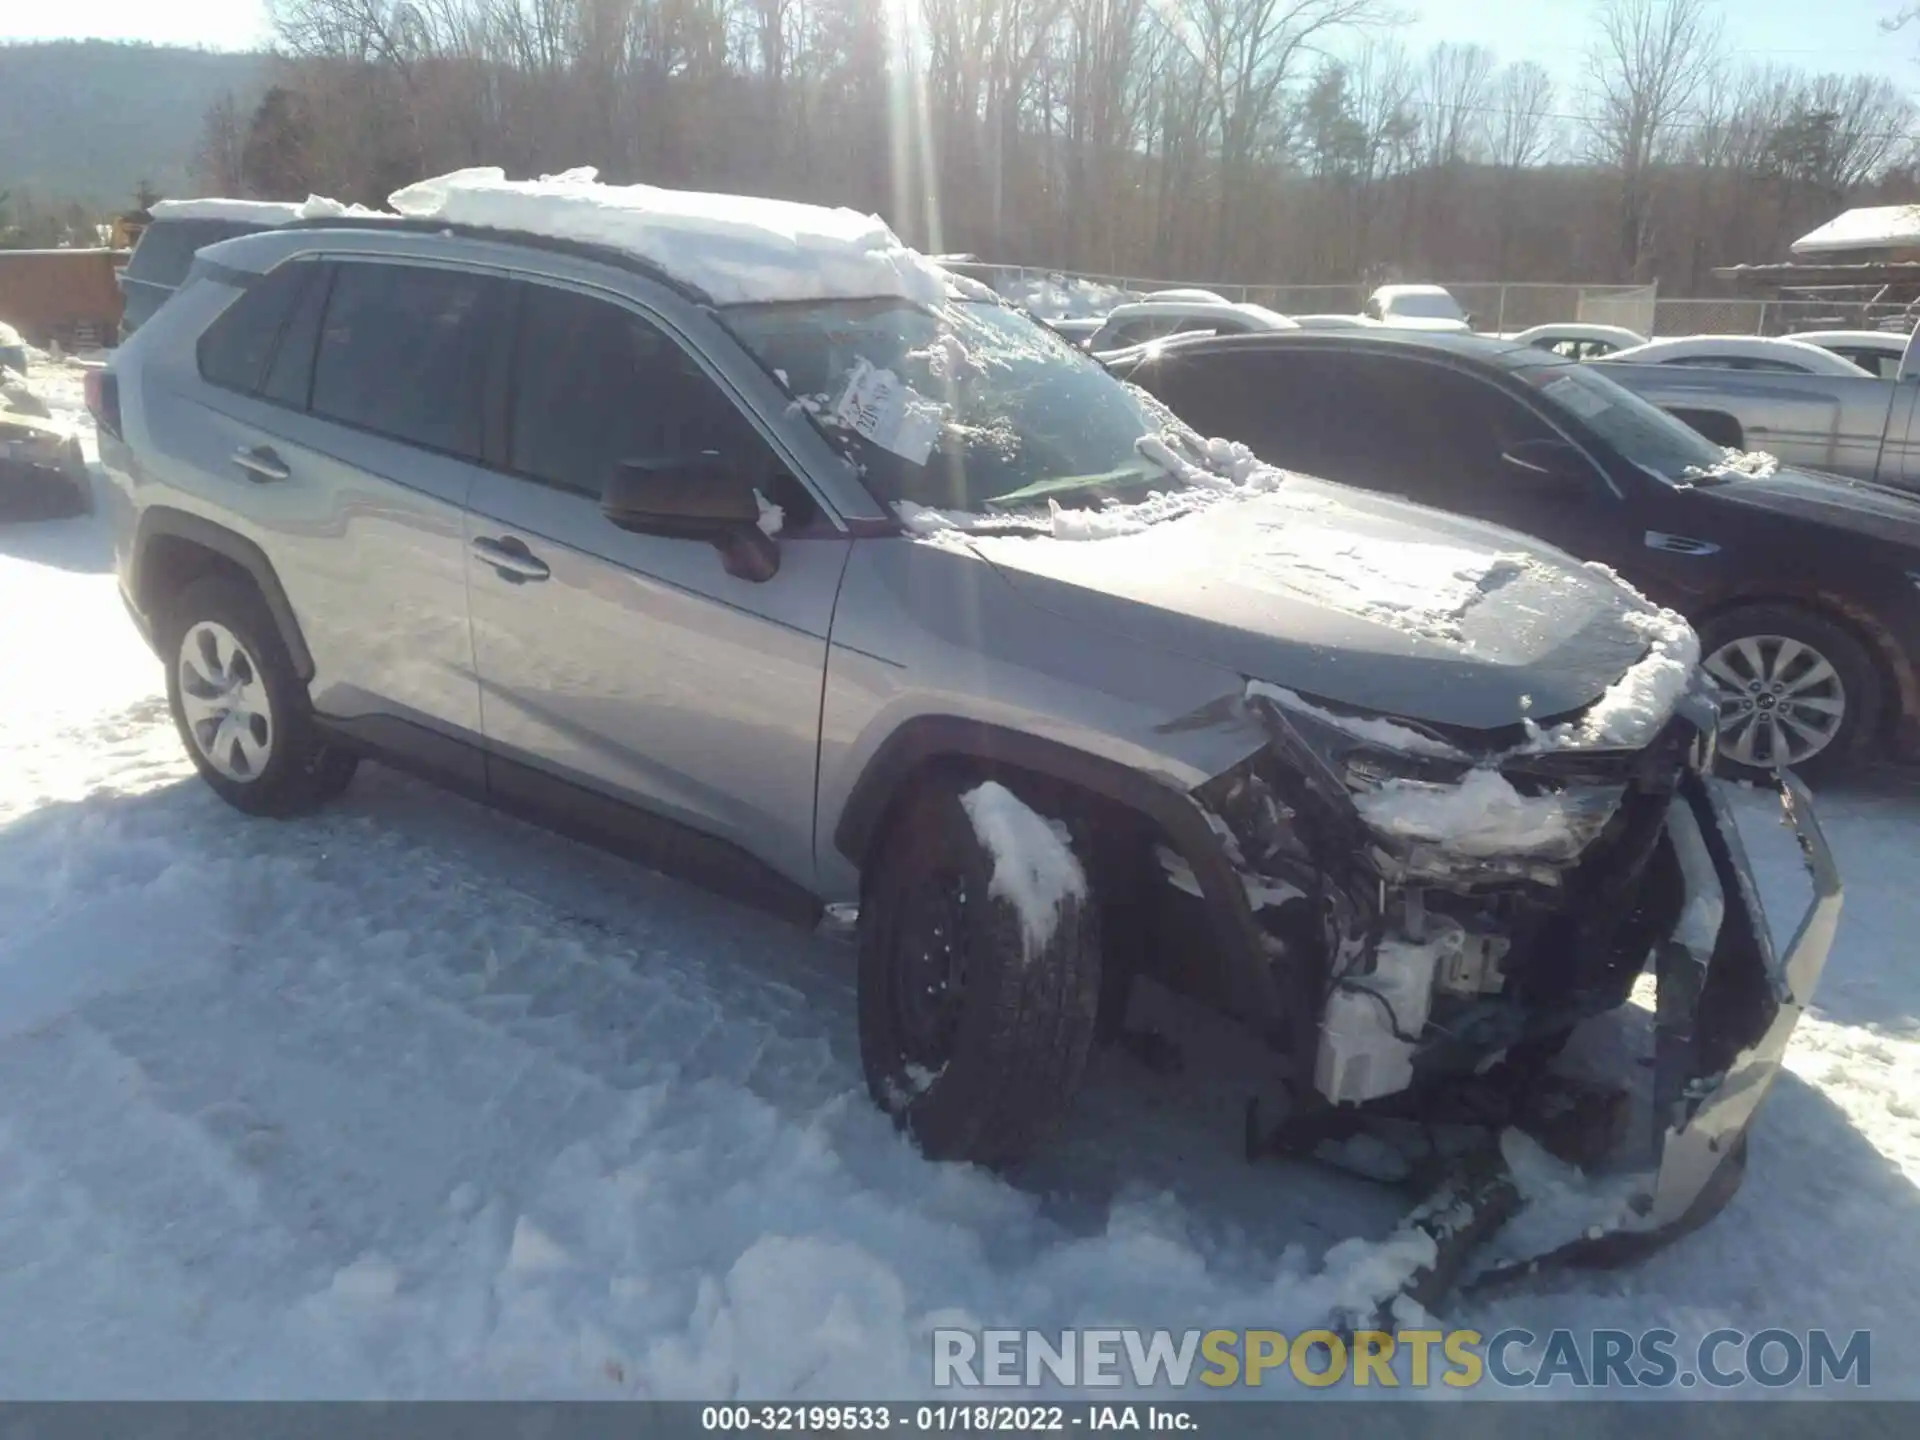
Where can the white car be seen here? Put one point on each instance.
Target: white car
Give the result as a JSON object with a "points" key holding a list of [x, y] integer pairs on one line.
{"points": [[1577, 340], [1878, 352], [1738, 352], [1144, 320], [1417, 307], [1204, 297], [1334, 322]]}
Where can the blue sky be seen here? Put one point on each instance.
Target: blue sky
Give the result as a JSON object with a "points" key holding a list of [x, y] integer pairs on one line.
{"points": [[1812, 34]]}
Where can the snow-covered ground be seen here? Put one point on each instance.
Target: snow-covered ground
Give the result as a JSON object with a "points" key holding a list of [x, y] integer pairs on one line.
{"points": [[411, 1099]]}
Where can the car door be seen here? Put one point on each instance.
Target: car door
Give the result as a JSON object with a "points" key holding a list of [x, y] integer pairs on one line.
{"points": [[352, 450], [1401, 425], [631, 665]]}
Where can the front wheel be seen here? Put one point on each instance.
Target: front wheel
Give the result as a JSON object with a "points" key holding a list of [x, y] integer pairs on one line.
{"points": [[979, 973], [1796, 691]]}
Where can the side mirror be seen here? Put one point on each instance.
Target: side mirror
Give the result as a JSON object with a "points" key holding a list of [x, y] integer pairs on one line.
{"points": [[1549, 463], [694, 498]]}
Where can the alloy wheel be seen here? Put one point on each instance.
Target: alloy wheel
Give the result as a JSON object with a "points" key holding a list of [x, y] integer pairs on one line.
{"points": [[1781, 701]]}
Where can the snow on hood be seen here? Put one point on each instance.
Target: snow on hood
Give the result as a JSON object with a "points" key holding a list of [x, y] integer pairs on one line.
{"points": [[1636, 705], [735, 248], [1352, 598]]}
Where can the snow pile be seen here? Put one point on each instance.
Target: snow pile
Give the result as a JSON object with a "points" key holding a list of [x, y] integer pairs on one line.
{"points": [[736, 249], [257, 212], [1034, 869], [1060, 298], [1482, 816], [1744, 464], [1636, 705], [1374, 731]]}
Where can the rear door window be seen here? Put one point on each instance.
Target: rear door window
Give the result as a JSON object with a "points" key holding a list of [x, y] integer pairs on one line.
{"points": [[234, 350], [404, 352]]}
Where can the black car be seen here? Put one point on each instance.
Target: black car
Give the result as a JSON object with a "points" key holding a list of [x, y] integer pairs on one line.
{"points": [[164, 254], [1805, 587]]}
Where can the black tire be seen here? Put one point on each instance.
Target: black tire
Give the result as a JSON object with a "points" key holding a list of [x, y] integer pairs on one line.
{"points": [[1858, 679], [301, 773], [1021, 1027]]}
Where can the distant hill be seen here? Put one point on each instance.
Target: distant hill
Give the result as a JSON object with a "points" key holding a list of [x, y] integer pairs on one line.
{"points": [[87, 120]]}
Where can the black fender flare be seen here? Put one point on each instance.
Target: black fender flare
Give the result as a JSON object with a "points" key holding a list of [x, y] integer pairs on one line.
{"points": [[160, 522], [931, 739]]}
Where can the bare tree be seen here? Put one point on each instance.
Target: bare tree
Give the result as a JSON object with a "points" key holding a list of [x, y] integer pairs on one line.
{"points": [[1452, 96], [1648, 64]]}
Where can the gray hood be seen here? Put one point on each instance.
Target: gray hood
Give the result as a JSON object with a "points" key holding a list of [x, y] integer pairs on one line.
{"points": [[1354, 598]]}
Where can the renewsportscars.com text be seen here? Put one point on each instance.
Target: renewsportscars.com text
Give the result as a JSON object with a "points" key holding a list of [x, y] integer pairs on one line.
{"points": [[1460, 1359]]}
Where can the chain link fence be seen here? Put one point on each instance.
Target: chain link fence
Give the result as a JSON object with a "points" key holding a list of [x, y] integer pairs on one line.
{"points": [[1774, 317], [1493, 306]]}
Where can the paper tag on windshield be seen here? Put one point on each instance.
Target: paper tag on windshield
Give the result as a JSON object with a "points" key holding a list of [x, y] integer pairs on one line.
{"points": [[889, 412], [1576, 397]]}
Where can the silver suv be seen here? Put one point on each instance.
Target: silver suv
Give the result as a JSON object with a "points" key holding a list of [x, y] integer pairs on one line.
{"points": [[865, 601]]}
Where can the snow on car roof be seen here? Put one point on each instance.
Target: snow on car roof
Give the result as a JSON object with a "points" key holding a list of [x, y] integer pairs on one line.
{"points": [[255, 212], [736, 249], [1869, 227]]}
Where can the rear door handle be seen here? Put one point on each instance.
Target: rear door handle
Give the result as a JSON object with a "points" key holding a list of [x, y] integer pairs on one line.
{"points": [[510, 557], [261, 463]]}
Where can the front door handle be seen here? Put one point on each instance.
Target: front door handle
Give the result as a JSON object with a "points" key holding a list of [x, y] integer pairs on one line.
{"points": [[511, 557], [261, 463]]}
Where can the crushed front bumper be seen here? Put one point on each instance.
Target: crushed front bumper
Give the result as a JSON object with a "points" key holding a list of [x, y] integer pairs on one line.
{"points": [[1725, 1007], [1727, 1002]]}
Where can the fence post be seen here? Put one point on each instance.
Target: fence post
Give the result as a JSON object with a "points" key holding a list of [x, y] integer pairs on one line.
{"points": [[1500, 313], [1761, 327]]}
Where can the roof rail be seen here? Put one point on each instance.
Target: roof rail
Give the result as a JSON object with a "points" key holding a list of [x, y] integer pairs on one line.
{"points": [[584, 250]]}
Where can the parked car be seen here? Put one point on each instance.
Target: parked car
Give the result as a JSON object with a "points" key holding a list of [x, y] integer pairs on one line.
{"points": [[1417, 307], [1805, 588], [1878, 352], [1849, 423], [1078, 331], [783, 563], [1579, 341], [1739, 352], [1144, 320], [1333, 322], [166, 247], [13, 350], [43, 473]]}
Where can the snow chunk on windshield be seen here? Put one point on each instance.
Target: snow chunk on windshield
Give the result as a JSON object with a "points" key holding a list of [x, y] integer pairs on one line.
{"points": [[1034, 869], [736, 248], [1745, 464], [1636, 705]]}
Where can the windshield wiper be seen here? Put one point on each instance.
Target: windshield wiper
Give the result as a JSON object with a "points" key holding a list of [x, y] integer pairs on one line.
{"points": [[1125, 478]]}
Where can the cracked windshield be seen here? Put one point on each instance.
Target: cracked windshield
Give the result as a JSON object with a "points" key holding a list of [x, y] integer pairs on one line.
{"points": [[972, 407]]}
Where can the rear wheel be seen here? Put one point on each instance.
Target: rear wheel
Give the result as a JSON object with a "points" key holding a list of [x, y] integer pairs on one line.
{"points": [[1796, 691], [973, 1031], [241, 710]]}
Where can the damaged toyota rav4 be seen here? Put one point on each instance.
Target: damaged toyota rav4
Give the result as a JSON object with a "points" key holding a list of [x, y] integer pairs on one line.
{"points": [[743, 538]]}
